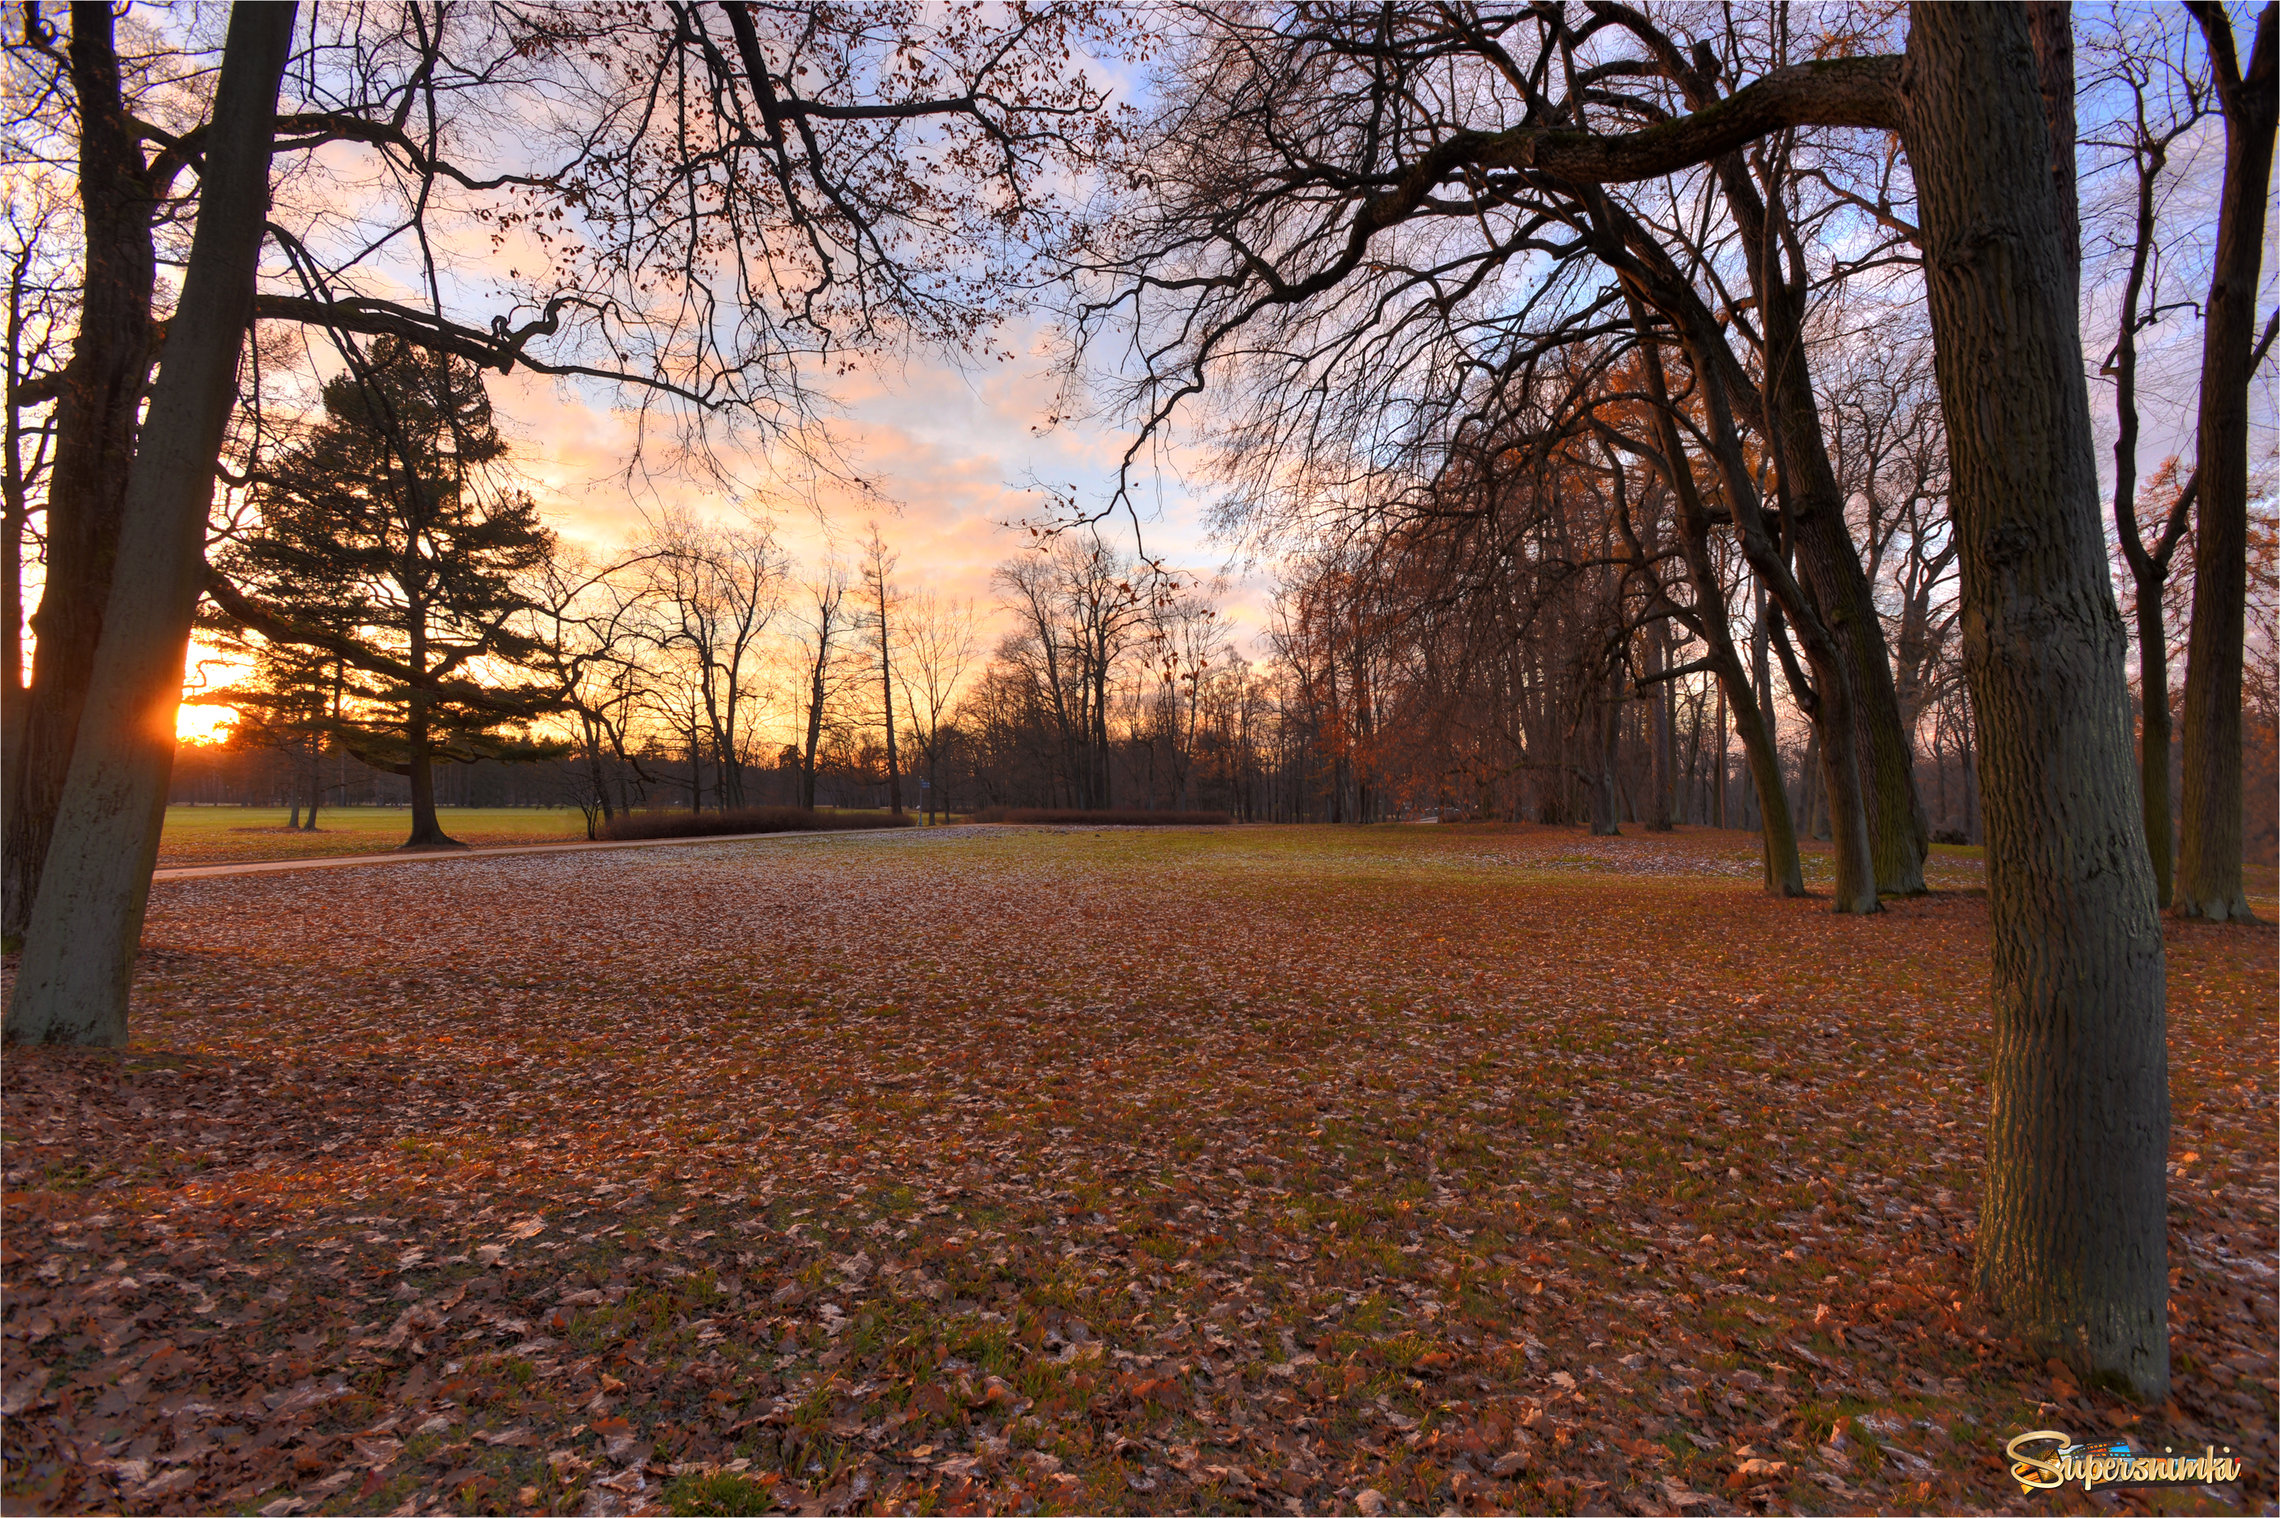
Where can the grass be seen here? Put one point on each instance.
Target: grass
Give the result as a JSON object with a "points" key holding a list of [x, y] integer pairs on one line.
{"points": [[239, 834], [1481, 1168]]}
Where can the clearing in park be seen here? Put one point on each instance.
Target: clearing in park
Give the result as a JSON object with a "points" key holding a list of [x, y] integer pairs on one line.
{"points": [[1391, 1169]]}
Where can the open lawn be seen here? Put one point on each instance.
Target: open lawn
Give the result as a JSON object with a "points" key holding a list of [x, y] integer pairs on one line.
{"points": [[1224, 1170], [237, 834]]}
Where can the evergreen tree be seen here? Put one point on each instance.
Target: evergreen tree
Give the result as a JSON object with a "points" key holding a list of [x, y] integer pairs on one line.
{"points": [[289, 702], [389, 524]]}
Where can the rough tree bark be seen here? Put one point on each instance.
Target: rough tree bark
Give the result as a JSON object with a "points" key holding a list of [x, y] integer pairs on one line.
{"points": [[2209, 884], [95, 441], [79, 949], [2072, 1233]]}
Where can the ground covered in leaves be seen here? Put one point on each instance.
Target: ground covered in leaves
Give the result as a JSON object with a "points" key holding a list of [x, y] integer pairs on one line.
{"points": [[1397, 1169]]}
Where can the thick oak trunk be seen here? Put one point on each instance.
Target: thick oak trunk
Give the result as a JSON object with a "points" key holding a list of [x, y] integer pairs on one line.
{"points": [[2072, 1233], [95, 441], [2209, 881], [79, 949]]}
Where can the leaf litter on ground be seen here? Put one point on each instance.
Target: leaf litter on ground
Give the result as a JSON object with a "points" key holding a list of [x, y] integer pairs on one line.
{"points": [[1301, 1169]]}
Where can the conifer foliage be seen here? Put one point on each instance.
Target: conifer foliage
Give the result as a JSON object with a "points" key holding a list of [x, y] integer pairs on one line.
{"points": [[394, 525]]}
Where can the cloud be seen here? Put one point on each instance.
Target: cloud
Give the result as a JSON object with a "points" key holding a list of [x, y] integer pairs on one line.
{"points": [[943, 457]]}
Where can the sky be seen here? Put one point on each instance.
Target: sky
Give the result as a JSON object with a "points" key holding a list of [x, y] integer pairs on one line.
{"points": [[953, 453], [954, 450]]}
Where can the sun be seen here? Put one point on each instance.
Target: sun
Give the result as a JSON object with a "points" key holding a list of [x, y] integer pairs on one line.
{"points": [[207, 668]]}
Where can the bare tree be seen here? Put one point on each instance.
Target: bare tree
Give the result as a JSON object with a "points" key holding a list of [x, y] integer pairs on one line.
{"points": [[878, 572], [598, 622], [715, 589], [2167, 101], [820, 642], [937, 648], [1079, 609], [2209, 882]]}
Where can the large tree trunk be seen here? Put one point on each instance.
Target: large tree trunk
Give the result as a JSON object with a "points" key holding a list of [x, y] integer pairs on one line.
{"points": [[2209, 881], [94, 446], [86, 921], [2072, 1233]]}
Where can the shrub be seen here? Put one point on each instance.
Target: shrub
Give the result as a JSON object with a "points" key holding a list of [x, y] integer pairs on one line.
{"points": [[751, 819], [1072, 817]]}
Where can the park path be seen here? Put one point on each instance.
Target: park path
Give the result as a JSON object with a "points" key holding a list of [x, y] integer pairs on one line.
{"points": [[345, 861]]}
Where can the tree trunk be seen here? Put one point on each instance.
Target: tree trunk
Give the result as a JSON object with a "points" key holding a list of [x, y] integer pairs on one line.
{"points": [[1831, 603], [1606, 816], [2072, 1233], [814, 727], [696, 769], [887, 690], [2209, 884], [1812, 793], [1829, 566], [314, 775], [1784, 873], [94, 448], [419, 764], [86, 921], [1660, 740], [1832, 703], [2154, 741]]}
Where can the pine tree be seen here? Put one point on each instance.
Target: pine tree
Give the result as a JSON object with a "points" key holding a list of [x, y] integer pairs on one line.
{"points": [[389, 524]]}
